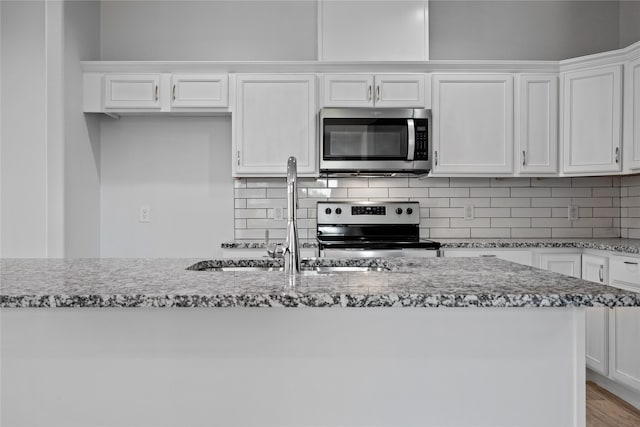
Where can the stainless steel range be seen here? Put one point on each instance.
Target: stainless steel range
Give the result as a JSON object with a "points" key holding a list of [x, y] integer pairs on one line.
{"points": [[372, 229]]}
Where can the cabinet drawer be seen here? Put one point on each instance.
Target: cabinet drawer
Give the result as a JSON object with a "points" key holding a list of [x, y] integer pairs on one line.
{"points": [[625, 272]]}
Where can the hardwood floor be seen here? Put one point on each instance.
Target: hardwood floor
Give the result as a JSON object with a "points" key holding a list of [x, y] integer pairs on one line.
{"points": [[605, 409]]}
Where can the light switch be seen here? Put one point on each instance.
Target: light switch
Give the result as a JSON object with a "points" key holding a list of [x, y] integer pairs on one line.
{"points": [[468, 212], [574, 212]]}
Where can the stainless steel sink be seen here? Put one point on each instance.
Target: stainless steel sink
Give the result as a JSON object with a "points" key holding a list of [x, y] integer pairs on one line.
{"points": [[304, 270]]}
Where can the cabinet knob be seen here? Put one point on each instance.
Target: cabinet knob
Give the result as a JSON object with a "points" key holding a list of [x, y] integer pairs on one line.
{"points": [[369, 96]]}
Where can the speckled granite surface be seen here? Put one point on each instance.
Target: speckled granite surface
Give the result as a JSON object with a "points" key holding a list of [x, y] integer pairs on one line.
{"points": [[629, 246], [424, 282]]}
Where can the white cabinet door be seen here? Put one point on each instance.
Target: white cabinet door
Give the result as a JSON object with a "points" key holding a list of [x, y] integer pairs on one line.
{"points": [[625, 272], [132, 91], [632, 115], [594, 269], [400, 90], [625, 346], [567, 264], [199, 90], [380, 90], [373, 30], [537, 123], [591, 121], [274, 118], [624, 328], [473, 124], [347, 90]]}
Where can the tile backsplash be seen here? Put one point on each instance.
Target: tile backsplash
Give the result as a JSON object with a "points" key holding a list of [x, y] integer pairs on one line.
{"points": [[503, 207], [630, 206]]}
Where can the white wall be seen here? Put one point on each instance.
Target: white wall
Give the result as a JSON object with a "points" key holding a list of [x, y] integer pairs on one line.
{"points": [[24, 126], [286, 30], [629, 22], [536, 30], [49, 188], [208, 30], [82, 133], [180, 167]]}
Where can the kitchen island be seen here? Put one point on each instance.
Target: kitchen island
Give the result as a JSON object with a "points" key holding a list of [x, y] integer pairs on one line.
{"points": [[437, 341]]}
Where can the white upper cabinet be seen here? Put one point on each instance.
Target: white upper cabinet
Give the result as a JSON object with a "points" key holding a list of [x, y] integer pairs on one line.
{"points": [[591, 120], [536, 123], [380, 90], [116, 94], [472, 124], [199, 90], [594, 269], [274, 118], [632, 115], [125, 91], [347, 90], [373, 30]]}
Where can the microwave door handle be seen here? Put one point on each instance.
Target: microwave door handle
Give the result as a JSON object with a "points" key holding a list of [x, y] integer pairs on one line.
{"points": [[411, 146]]}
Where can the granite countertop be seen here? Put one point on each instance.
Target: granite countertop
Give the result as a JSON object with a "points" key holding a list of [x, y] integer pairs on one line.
{"points": [[628, 246], [410, 282]]}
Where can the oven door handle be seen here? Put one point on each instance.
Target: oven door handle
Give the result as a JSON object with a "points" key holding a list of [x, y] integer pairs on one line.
{"points": [[411, 146]]}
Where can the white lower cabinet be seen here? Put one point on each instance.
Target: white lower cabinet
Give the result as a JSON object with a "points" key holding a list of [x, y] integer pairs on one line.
{"points": [[624, 327], [274, 118], [564, 263], [624, 330], [594, 269]]}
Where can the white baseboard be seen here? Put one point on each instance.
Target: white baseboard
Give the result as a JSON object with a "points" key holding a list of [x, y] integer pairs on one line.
{"points": [[630, 396]]}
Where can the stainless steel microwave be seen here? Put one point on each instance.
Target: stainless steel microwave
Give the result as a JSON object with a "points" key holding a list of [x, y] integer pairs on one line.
{"points": [[367, 140]]}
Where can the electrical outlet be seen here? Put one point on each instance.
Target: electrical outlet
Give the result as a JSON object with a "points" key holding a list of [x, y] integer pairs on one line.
{"points": [[468, 212], [144, 215], [574, 212], [277, 214]]}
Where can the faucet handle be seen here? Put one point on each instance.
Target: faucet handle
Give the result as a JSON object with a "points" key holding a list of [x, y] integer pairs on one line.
{"points": [[275, 250]]}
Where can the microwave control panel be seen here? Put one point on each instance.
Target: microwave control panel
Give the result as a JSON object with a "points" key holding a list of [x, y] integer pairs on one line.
{"points": [[422, 139]]}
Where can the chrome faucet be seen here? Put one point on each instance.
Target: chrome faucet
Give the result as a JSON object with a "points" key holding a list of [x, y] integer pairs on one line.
{"points": [[291, 245], [290, 251]]}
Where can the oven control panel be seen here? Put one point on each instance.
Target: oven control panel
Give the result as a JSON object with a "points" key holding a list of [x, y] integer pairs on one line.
{"points": [[368, 213], [368, 210]]}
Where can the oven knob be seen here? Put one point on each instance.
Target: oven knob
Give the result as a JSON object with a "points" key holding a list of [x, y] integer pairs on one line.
{"points": [[338, 211], [409, 211], [327, 211], [399, 211]]}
